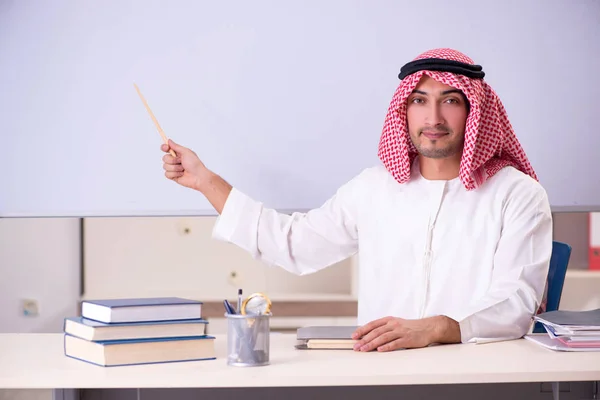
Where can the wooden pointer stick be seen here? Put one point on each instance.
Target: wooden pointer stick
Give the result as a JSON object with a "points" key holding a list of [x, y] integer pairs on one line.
{"points": [[162, 133]]}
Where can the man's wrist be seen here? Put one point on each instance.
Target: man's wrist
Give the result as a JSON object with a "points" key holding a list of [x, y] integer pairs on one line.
{"points": [[214, 188], [445, 330], [204, 180]]}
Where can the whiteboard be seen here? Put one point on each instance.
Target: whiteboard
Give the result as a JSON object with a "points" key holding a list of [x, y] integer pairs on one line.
{"points": [[285, 100]]}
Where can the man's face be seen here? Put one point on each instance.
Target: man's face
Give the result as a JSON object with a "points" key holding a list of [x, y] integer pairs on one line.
{"points": [[436, 115]]}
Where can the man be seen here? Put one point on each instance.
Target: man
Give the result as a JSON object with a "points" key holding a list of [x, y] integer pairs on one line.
{"points": [[454, 231]]}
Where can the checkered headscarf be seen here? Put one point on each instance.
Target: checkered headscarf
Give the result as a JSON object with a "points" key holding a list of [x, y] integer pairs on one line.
{"points": [[490, 142]]}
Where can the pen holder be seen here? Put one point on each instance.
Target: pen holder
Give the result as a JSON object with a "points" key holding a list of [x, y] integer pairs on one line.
{"points": [[248, 340]]}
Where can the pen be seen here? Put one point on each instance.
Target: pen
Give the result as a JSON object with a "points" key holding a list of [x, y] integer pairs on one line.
{"points": [[228, 308], [239, 304]]}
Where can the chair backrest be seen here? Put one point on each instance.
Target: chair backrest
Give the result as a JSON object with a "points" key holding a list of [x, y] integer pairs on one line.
{"points": [[559, 260]]}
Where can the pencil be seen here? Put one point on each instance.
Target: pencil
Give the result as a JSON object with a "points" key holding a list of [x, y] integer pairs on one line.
{"points": [[162, 133]]}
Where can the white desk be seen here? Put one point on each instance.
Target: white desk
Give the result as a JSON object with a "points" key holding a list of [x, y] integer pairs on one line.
{"points": [[37, 361]]}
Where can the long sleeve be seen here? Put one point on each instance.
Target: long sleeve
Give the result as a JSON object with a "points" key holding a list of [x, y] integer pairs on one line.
{"points": [[301, 243], [519, 273]]}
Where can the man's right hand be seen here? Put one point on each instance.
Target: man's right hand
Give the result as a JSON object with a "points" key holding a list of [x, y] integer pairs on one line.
{"points": [[185, 169]]}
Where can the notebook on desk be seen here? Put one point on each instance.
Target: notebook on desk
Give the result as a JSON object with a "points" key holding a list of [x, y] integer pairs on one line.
{"points": [[572, 320], [325, 338], [556, 344]]}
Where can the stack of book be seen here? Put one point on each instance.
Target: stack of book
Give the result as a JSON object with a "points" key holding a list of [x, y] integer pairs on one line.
{"points": [[138, 331], [569, 330]]}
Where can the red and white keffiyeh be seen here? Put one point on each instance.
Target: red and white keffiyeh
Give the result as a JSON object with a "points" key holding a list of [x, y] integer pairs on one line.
{"points": [[490, 143]]}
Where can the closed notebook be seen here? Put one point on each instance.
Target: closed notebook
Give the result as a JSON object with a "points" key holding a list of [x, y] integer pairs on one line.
{"points": [[142, 351], [575, 320], [141, 309], [325, 337], [97, 331]]}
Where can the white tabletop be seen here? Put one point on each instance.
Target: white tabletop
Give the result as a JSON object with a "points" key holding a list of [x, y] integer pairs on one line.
{"points": [[38, 361]]}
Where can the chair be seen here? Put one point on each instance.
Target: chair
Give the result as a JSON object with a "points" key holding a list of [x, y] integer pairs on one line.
{"points": [[559, 260]]}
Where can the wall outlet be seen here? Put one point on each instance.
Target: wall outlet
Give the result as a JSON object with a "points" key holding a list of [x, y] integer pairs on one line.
{"points": [[30, 308]]}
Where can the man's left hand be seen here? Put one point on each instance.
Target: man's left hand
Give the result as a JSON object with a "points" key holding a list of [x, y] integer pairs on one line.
{"points": [[390, 333]]}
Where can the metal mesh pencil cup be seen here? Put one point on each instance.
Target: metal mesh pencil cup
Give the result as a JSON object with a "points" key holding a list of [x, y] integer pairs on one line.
{"points": [[248, 340]]}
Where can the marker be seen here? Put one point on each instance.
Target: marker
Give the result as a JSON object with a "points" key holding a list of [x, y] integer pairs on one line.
{"points": [[239, 304]]}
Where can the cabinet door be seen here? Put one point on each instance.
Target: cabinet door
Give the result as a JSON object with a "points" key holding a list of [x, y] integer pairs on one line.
{"points": [[164, 256], [177, 256]]}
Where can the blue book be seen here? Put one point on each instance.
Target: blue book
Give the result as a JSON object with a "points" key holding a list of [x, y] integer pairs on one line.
{"points": [[141, 309], [112, 353], [100, 331]]}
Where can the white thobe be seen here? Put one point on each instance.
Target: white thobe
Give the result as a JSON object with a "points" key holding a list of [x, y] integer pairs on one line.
{"points": [[425, 248]]}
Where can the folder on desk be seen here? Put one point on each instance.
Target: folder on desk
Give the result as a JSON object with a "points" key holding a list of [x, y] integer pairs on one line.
{"points": [[325, 337]]}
